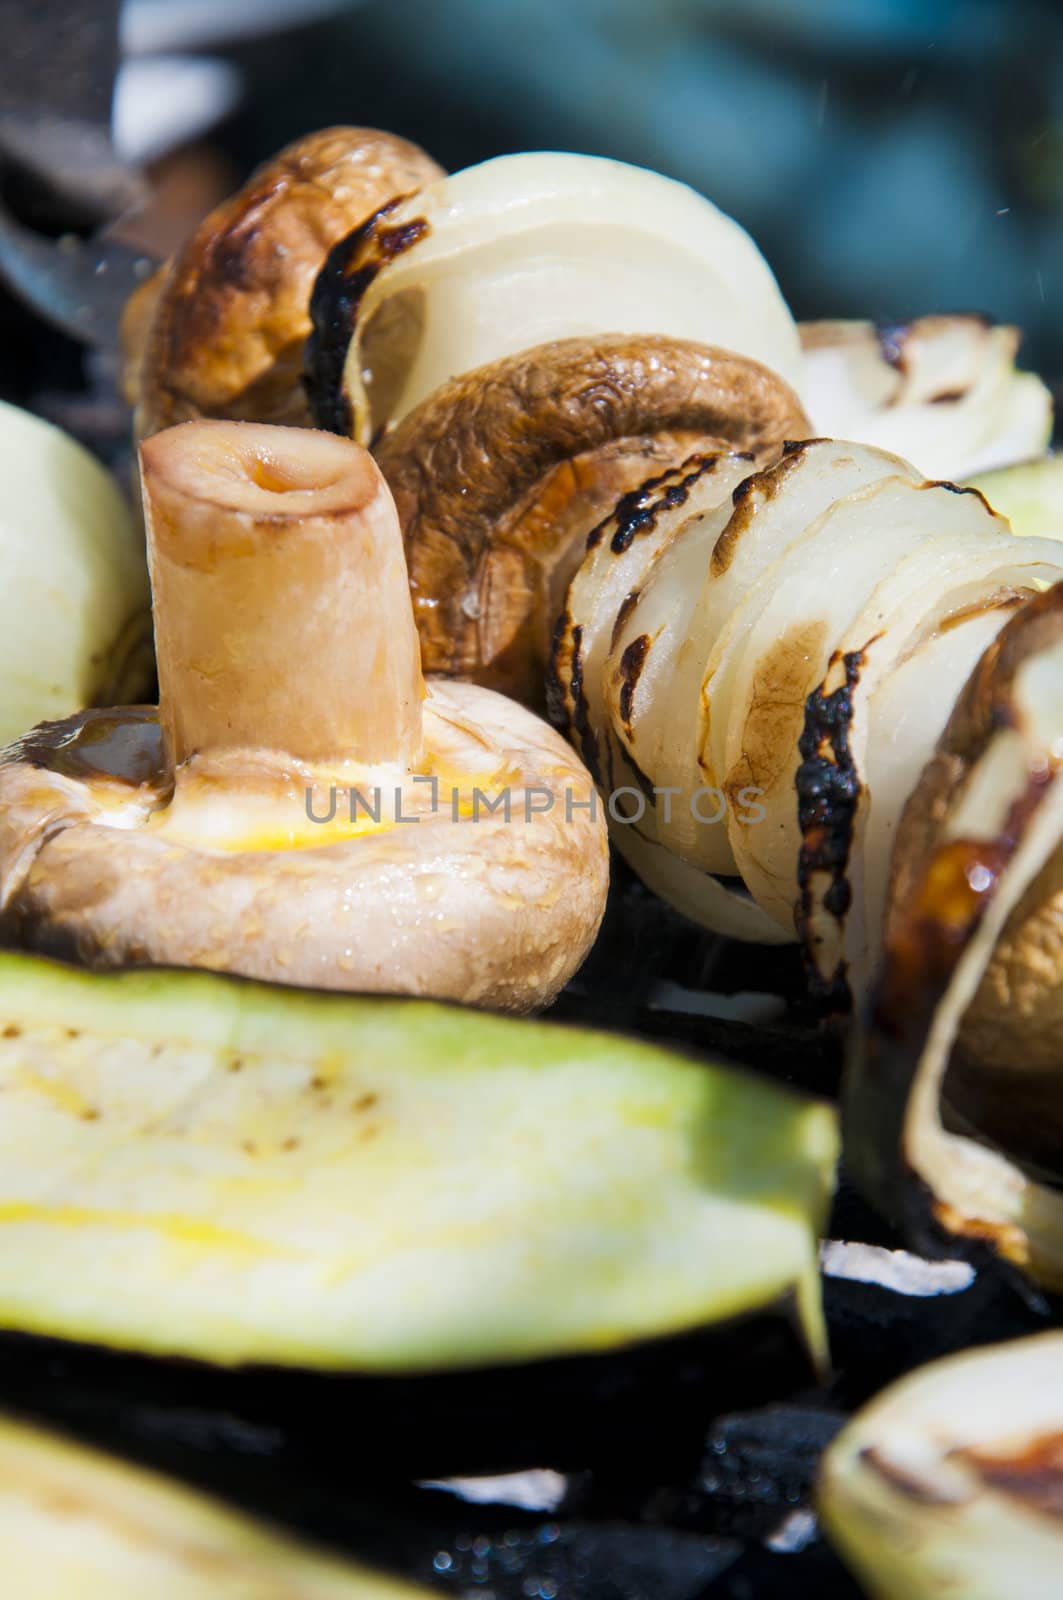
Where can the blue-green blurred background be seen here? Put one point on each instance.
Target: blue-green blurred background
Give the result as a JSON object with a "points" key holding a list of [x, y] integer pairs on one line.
{"points": [[890, 156]]}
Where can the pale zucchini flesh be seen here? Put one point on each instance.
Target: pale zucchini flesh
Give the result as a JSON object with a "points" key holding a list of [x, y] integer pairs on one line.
{"points": [[1030, 495], [78, 1525], [199, 1166]]}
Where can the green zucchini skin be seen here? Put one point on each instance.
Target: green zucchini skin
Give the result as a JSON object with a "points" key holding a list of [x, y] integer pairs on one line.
{"points": [[473, 1237], [75, 1525]]}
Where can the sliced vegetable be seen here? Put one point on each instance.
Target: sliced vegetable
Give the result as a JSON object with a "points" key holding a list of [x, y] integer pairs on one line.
{"points": [[950, 1482], [302, 807], [195, 1166], [78, 1525], [520, 251], [500, 475], [219, 330], [942, 391], [1030, 495], [952, 1120], [728, 640], [74, 620]]}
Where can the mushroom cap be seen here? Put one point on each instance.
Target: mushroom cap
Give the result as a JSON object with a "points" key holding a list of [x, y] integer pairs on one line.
{"points": [[100, 864], [219, 330], [500, 475]]}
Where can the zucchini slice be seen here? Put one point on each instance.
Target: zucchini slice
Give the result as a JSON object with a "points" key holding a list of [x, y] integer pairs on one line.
{"points": [[78, 1525], [951, 1482], [1030, 495], [199, 1166]]}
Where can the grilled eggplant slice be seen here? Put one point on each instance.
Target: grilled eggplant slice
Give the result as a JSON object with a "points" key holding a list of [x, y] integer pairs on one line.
{"points": [[195, 1166], [1030, 495], [952, 1101], [76, 1525], [950, 1483]]}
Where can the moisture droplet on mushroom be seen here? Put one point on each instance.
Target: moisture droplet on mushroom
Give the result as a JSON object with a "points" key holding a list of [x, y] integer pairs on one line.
{"points": [[302, 806]]}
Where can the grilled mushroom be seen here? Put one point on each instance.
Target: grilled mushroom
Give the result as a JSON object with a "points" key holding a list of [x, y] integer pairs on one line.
{"points": [[729, 637], [950, 1482], [74, 620], [261, 820], [500, 474], [79, 1525], [953, 1101], [942, 391], [219, 330], [521, 251]]}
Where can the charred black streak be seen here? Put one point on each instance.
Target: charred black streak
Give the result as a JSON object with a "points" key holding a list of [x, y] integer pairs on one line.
{"points": [[638, 511], [350, 267], [630, 601], [566, 705], [556, 704], [581, 718], [828, 792], [631, 664]]}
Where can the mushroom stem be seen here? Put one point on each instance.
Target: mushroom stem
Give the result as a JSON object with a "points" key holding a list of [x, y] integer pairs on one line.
{"points": [[282, 608]]}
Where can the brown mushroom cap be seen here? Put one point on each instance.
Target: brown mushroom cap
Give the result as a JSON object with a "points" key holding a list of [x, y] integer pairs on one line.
{"points": [[501, 474], [99, 865], [219, 330]]}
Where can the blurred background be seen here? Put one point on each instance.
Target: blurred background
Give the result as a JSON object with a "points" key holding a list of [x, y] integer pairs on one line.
{"points": [[889, 156]]}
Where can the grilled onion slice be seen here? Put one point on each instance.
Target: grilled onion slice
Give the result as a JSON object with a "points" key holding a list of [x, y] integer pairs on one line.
{"points": [[520, 251], [942, 391], [953, 1123], [950, 1482], [808, 627]]}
